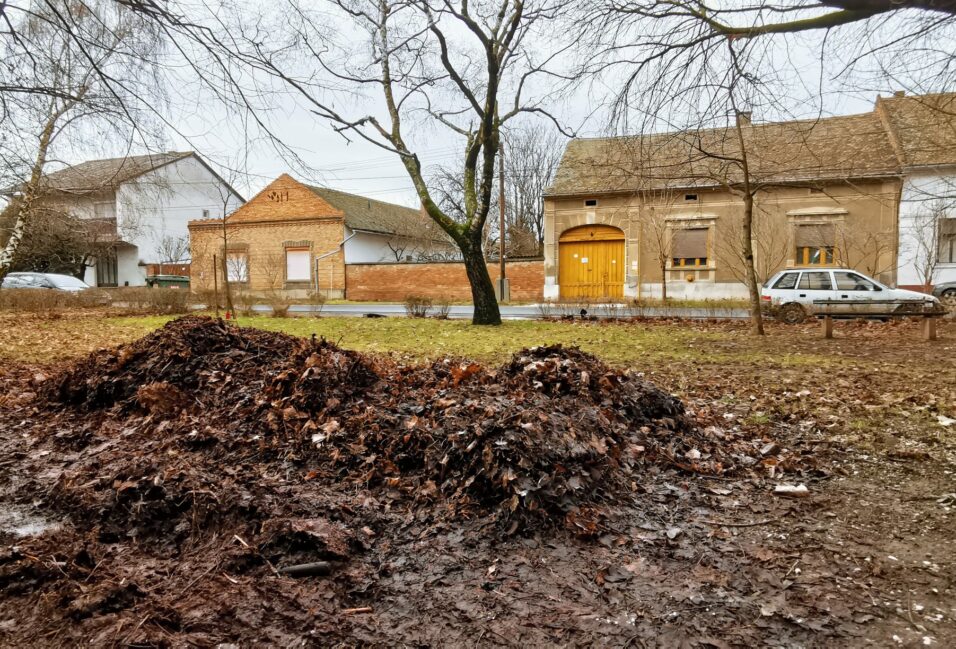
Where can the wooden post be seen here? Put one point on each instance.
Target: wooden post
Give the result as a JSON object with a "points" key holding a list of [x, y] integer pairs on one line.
{"points": [[929, 329], [828, 326], [215, 282]]}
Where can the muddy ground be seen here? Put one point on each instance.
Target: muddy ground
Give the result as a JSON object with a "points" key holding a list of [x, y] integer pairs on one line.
{"points": [[157, 499]]}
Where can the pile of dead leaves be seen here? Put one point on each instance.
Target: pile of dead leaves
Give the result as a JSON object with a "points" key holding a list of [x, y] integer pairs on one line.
{"points": [[554, 436]]}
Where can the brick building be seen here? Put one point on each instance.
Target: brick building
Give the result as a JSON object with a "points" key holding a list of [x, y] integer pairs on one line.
{"points": [[297, 239]]}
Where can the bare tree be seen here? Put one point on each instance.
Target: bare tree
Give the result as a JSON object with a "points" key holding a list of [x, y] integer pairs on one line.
{"points": [[532, 154], [926, 236], [770, 246], [70, 65], [172, 250], [468, 68]]}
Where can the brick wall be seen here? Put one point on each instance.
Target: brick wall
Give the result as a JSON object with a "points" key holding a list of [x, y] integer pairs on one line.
{"points": [[394, 282]]}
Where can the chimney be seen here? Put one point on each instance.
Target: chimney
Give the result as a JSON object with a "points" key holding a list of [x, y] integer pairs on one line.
{"points": [[899, 93], [743, 117]]}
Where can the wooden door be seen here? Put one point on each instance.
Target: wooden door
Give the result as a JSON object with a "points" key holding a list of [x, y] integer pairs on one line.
{"points": [[591, 262]]}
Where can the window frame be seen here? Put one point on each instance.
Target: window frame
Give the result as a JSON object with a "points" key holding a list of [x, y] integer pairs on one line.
{"points": [[804, 256]]}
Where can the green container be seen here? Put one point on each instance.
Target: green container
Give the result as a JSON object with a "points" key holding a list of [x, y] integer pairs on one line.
{"points": [[168, 281]]}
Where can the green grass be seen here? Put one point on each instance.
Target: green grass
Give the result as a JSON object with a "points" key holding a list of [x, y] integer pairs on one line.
{"points": [[43, 340]]}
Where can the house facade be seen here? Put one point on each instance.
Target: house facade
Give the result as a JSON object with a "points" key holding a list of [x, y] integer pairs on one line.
{"points": [[138, 209], [296, 239], [635, 216], [922, 131]]}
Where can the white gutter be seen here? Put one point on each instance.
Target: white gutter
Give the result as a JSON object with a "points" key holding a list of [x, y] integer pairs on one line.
{"points": [[328, 254]]}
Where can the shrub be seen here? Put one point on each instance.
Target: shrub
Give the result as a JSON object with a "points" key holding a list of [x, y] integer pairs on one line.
{"points": [[141, 299], [442, 308], [546, 310], [417, 306], [315, 300], [33, 300]]}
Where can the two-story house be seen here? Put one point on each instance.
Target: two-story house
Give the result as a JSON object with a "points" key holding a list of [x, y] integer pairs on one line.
{"points": [[140, 206]]}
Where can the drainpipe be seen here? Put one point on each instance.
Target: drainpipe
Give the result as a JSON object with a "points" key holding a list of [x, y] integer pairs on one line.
{"points": [[328, 254]]}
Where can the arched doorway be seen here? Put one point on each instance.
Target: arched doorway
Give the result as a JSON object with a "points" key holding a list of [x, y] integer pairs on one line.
{"points": [[591, 262]]}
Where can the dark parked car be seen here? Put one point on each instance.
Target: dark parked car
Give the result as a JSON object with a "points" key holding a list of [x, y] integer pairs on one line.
{"points": [[946, 293]]}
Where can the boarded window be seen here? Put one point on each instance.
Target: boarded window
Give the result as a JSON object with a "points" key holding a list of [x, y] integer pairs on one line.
{"points": [[689, 247], [947, 241], [297, 261], [237, 266]]}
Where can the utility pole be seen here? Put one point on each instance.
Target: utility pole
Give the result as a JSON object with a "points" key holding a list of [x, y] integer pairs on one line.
{"points": [[504, 290]]}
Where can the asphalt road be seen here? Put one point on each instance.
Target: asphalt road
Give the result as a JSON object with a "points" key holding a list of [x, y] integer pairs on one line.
{"points": [[524, 312]]}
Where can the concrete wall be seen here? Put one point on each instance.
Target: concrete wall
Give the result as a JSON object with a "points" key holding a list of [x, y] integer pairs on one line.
{"points": [[864, 214], [923, 195], [395, 282]]}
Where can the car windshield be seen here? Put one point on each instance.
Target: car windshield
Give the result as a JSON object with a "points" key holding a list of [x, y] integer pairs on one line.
{"points": [[65, 281]]}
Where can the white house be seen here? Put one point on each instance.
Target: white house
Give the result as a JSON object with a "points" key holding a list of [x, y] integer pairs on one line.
{"points": [[922, 130], [142, 205]]}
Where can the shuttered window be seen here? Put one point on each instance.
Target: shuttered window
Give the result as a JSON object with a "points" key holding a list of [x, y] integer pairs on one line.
{"points": [[815, 244], [689, 247], [297, 262], [947, 241]]}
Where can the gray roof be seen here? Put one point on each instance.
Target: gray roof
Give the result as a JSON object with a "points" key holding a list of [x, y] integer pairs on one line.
{"points": [[370, 215], [109, 173]]}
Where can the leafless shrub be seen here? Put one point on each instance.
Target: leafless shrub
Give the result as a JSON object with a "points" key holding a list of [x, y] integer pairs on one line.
{"points": [[315, 300], [545, 310], [417, 306], [442, 308]]}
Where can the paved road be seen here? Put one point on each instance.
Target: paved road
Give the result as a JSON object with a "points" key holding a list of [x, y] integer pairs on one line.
{"points": [[525, 312]]}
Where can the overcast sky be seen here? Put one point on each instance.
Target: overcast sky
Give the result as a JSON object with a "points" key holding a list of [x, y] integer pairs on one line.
{"points": [[199, 122]]}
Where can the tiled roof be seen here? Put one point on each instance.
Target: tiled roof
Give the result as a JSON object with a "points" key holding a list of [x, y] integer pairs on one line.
{"points": [[854, 146], [922, 127], [369, 215], [109, 173]]}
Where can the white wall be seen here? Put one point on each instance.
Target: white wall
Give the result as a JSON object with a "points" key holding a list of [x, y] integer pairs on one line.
{"points": [[921, 193], [161, 203], [684, 290], [367, 248]]}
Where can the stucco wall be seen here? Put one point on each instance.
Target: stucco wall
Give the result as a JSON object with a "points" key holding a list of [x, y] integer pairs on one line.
{"points": [[368, 248], [923, 193], [865, 213]]}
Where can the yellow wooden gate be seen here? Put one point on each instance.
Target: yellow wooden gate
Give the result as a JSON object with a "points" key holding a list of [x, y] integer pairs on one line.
{"points": [[591, 262]]}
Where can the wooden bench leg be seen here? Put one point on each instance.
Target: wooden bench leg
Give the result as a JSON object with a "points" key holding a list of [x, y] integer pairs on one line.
{"points": [[929, 328], [827, 327]]}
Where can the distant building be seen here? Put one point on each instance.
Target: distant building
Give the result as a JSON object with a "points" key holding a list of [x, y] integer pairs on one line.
{"points": [[297, 239], [141, 206], [626, 214]]}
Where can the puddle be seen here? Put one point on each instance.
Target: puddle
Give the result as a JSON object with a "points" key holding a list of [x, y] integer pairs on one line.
{"points": [[21, 522]]}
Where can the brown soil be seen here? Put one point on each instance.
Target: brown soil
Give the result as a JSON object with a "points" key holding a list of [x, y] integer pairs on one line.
{"points": [[154, 493]]}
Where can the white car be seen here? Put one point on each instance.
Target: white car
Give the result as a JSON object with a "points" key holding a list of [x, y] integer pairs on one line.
{"points": [[792, 295]]}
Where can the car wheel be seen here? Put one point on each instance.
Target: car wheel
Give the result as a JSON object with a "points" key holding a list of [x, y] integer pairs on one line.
{"points": [[791, 314], [949, 298]]}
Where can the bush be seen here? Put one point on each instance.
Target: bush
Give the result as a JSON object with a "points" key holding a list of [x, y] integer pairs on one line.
{"points": [[34, 300], [315, 300], [417, 306], [442, 308], [142, 299]]}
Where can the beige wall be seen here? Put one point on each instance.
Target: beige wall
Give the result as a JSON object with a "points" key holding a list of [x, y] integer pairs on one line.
{"points": [[864, 214]]}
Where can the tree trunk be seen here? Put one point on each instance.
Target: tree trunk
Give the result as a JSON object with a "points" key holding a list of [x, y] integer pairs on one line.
{"points": [[664, 282], [482, 290], [756, 316]]}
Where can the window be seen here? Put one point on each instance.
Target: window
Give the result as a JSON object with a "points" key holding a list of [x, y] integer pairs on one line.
{"points": [[947, 241], [853, 282], [815, 245], [689, 248], [591, 202], [787, 280], [104, 210], [205, 214], [297, 264], [106, 270], [237, 266], [815, 282], [690, 197]]}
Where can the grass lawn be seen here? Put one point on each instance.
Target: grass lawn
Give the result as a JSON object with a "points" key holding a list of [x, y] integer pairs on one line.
{"points": [[36, 339]]}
